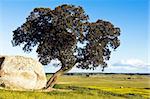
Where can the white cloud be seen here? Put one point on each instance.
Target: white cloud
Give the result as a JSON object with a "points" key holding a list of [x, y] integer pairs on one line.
{"points": [[129, 66], [132, 63]]}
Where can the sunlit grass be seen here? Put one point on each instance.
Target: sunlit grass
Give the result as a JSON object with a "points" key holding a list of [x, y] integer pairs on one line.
{"points": [[93, 87], [134, 85]]}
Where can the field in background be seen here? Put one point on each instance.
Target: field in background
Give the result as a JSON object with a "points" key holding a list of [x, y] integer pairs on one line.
{"points": [[115, 86]]}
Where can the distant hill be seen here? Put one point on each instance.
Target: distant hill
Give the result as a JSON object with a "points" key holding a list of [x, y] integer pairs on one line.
{"points": [[103, 73]]}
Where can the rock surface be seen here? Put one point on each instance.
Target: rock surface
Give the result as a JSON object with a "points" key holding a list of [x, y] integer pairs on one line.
{"points": [[18, 72]]}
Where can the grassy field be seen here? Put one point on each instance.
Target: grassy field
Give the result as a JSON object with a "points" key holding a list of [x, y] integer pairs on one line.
{"points": [[94, 87]]}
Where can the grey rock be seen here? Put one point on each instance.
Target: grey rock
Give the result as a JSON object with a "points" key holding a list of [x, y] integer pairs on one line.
{"points": [[18, 72]]}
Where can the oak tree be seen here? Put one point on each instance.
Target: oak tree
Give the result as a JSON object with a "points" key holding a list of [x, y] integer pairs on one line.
{"points": [[65, 33]]}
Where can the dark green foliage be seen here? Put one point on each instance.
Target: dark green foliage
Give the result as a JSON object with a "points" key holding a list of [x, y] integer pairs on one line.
{"points": [[101, 36], [57, 34]]}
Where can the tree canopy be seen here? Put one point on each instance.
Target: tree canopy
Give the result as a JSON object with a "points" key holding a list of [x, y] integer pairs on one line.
{"points": [[66, 34]]}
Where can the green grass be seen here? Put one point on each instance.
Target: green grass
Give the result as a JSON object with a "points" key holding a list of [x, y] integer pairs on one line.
{"points": [[94, 87]]}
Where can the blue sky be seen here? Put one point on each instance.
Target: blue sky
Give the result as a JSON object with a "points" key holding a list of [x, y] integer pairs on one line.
{"points": [[130, 15]]}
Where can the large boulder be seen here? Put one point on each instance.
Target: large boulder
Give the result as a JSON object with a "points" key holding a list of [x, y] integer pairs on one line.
{"points": [[18, 72]]}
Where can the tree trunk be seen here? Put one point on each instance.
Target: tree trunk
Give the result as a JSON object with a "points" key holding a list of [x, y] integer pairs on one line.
{"points": [[52, 81]]}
